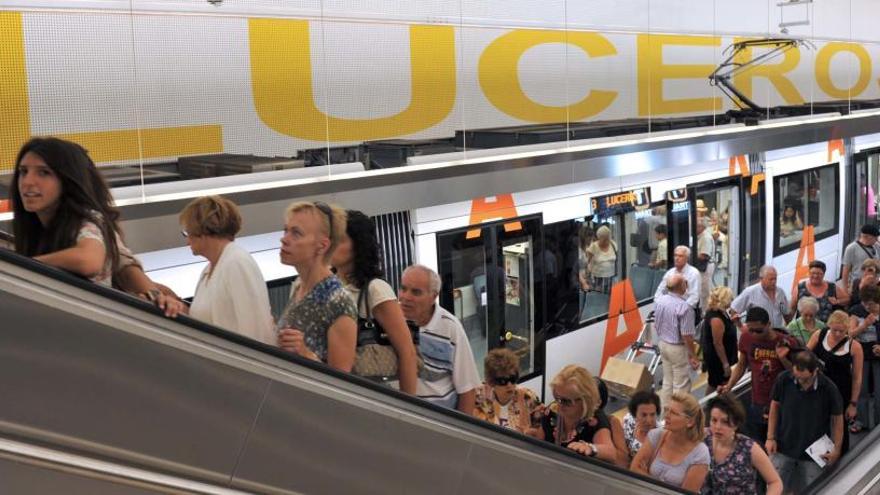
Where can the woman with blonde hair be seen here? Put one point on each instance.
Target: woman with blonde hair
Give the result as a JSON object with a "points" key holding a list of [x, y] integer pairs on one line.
{"points": [[843, 360], [319, 322], [719, 338], [675, 453], [231, 292], [602, 261], [574, 420], [500, 401]]}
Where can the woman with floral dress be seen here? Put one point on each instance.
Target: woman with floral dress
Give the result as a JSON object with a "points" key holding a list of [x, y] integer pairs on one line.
{"points": [[499, 401], [736, 459]]}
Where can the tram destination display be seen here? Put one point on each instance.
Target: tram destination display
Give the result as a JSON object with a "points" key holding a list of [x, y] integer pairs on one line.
{"points": [[621, 202]]}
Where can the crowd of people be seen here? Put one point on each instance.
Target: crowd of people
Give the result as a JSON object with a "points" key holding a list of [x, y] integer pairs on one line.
{"points": [[817, 349]]}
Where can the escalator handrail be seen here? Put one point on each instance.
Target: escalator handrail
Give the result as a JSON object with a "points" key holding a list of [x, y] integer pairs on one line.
{"points": [[826, 480], [135, 303], [89, 467]]}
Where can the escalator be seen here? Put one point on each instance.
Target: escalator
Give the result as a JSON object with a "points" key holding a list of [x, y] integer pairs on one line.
{"points": [[101, 394]]}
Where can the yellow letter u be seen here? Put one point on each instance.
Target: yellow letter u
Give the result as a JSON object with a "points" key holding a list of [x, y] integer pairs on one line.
{"points": [[281, 76]]}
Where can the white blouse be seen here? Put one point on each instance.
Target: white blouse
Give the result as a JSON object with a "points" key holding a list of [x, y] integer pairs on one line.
{"points": [[234, 296]]}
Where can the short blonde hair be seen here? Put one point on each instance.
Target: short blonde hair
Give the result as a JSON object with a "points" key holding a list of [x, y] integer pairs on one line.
{"points": [[603, 231], [720, 298], [872, 263], [213, 216], [585, 385], [839, 316], [339, 221], [692, 409]]}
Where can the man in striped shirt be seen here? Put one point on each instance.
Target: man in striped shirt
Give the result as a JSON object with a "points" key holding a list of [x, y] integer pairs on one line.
{"points": [[450, 377], [674, 326]]}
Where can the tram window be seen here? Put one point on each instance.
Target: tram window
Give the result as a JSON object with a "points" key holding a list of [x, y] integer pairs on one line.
{"points": [[600, 264], [646, 250], [805, 198]]}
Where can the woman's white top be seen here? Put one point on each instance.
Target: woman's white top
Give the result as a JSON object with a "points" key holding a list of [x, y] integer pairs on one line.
{"points": [[379, 292], [604, 261], [233, 295]]}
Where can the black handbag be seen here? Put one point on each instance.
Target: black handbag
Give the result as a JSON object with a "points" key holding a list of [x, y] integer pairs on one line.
{"points": [[375, 356]]}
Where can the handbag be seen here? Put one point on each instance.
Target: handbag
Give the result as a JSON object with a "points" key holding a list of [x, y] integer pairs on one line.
{"points": [[375, 357]]}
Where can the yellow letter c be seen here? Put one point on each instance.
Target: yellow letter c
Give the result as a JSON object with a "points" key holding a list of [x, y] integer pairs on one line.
{"points": [[499, 75]]}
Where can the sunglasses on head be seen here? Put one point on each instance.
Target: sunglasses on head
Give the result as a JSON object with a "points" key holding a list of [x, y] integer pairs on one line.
{"points": [[325, 209], [504, 380]]}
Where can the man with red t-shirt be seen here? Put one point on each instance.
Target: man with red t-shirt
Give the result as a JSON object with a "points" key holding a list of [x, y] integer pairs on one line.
{"points": [[765, 352]]}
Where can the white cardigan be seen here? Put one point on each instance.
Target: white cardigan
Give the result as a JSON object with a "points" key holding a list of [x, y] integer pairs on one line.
{"points": [[234, 296]]}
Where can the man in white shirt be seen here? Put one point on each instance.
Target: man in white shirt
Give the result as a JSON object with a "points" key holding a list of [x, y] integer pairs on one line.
{"points": [[450, 377], [765, 295], [681, 267], [705, 258]]}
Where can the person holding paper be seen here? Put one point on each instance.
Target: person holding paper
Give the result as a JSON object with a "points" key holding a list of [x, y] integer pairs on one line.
{"points": [[800, 444]]}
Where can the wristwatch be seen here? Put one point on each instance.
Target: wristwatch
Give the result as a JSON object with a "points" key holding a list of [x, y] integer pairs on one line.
{"points": [[593, 450]]}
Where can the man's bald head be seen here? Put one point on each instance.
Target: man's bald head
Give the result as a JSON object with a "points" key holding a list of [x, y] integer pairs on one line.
{"points": [[677, 284]]}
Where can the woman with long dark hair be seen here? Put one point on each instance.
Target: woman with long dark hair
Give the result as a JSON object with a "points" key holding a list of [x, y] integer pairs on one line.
{"points": [[358, 263], [63, 211]]}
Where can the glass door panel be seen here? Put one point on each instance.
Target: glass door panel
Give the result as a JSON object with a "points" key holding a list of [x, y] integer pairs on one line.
{"points": [[716, 215], [463, 267], [678, 221], [754, 228], [519, 304], [494, 283]]}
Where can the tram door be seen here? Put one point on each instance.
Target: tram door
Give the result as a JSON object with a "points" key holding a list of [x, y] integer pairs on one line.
{"points": [[708, 217], [753, 231], [865, 177], [494, 282], [716, 217]]}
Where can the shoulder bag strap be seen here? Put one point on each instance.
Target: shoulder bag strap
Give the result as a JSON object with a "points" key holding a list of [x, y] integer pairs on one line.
{"points": [[656, 451], [364, 298], [837, 346], [871, 255]]}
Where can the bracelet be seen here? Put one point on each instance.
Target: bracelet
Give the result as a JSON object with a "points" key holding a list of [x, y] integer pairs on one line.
{"points": [[771, 439], [153, 294]]}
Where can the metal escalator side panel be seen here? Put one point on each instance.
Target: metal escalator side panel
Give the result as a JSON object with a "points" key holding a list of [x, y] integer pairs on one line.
{"points": [[94, 374]]}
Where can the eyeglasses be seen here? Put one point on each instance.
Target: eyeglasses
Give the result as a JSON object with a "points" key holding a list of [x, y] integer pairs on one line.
{"points": [[504, 380], [184, 233], [325, 209], [667, 412], [564, 402]]}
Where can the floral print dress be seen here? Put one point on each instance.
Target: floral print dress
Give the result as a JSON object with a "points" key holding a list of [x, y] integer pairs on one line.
{"points": [[735, 475], [316, 312], [519, 409]]}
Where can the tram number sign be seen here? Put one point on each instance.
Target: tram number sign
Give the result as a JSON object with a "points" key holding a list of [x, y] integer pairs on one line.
{"points": [[622, 202], [677, 195]]}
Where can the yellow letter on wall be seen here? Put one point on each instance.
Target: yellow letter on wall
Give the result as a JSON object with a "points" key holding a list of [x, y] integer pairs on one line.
{"points": [[281, 76], [15, 127], [653, 73], [823, 69], [499, 75], [772, 72]]}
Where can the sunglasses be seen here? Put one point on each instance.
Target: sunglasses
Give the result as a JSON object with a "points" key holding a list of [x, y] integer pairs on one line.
{"points": [[325, 209], [564, 402], [504, 380]]}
